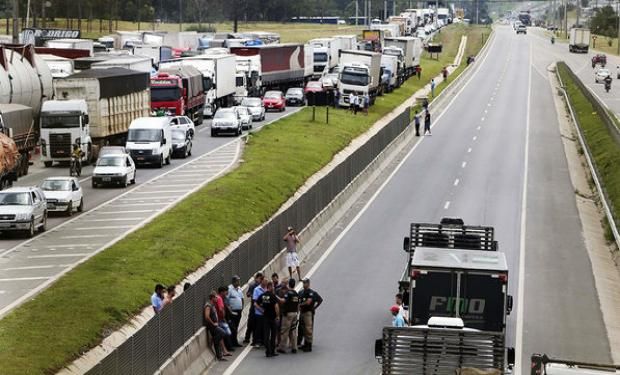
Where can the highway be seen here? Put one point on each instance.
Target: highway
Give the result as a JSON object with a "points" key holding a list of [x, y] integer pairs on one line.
{"points": [[27, 266], [499, 135]]}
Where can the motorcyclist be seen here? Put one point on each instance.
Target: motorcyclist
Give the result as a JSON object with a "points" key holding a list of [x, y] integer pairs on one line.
{"points": [[76, 156], [552, 39], [607, 81]]}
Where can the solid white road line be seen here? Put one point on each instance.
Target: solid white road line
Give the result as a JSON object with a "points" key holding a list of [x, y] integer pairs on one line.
{"points": [[161, 191], [521, 288], [85, 236], [233, 366], [125, 212], [115, 219], [71, 245], [106, 227], [26, 268], [24, 279], [58, 256]]}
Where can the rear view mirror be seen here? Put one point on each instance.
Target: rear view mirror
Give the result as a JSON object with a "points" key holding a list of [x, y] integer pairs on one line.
{"points": [[163, 141], [510, 356], [508, 304], [406, 244], [379, 348], [86, 119]]}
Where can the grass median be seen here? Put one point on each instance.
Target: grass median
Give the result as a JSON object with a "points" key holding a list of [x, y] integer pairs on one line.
{"points": [[102, 294], [605, 150]]}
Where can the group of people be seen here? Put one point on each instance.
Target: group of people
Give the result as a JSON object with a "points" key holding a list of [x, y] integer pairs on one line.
{"points": [[162, 297], [399, 314], [427, 120], [359, 102]]}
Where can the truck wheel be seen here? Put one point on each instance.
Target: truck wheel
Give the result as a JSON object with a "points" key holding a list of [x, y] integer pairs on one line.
{"points": [[48, 164], [94, 184], [133, 180], [168, 160], [161, 161]]}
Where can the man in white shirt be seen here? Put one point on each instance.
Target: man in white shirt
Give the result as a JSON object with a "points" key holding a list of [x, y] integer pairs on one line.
{"points": [[234, 300]]}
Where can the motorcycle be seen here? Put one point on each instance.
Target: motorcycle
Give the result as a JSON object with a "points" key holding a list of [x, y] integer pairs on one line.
{"points": [[75, 168], [607, 86]]}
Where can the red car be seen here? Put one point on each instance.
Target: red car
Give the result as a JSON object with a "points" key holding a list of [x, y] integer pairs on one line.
{"points": [[274, 100], [314, 87]]}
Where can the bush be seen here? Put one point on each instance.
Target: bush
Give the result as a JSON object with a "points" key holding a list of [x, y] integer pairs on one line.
{"points": [[201, 28]]}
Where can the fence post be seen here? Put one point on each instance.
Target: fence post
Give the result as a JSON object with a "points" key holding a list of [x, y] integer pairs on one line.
{"points": [[313, 113], [327, 114]]}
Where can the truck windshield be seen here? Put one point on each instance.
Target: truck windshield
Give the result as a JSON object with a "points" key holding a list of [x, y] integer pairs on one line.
{"points": [[207, 83], [50, 121], [144, 135], [352, 78], [240, 82], [14, 199], [162, 94], [391, 52], [320, 57]]}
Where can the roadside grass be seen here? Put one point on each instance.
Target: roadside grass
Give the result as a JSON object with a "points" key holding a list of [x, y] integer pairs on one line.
{"points": [[605, 151], [105, 292]]}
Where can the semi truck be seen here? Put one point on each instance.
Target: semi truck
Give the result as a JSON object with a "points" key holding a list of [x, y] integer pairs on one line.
{"points": [[218, 78], [137, 63], [93, 108], [389, 29], [18, 136], [404, 24], [80, 44], [393, 72], [455, 286], [248, 76], [325, 54], [443, 15], [179, 91], [372, 40], [346, 41], [360, 73], [411, 49], [282, 65], [60, 67], [155, 52], [579, 40]]}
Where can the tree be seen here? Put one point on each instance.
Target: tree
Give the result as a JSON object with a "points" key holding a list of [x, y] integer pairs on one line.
{"points": [[604, 22]]}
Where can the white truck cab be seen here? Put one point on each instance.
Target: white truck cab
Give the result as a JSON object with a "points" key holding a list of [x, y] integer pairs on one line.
{"points": [[149, 141], [63, 124]]}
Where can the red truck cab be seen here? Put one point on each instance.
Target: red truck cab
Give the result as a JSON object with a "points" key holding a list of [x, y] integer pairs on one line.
{"points": [[179, 91]]}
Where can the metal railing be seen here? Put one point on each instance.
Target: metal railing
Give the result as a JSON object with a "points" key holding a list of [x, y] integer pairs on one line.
{"points": [[153, 344]]}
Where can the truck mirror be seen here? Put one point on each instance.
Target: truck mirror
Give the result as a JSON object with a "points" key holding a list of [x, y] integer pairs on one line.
{"points": [[406, 244], [86, 119], [509, 305], [378, 348], [163, 141], [510, 354]]}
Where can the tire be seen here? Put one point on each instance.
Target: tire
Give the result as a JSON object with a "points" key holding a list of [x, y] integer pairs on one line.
{"points": [[48, 164], [213, 133], [31, 231], [44, 223], [94, 185], [126, 182], [133, 180], [70, 209], [168, 160], [81, 206], [161, 161]]}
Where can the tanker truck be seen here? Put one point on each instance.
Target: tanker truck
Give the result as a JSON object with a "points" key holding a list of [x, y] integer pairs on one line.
{"points": [[17, 139]]}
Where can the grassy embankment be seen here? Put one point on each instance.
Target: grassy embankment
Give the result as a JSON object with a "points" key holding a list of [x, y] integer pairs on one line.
{"points": [[103, 293], [605, 151]]}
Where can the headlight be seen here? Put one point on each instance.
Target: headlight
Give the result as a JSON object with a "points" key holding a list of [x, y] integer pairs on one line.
{"points": [[22, 216], [63, 201]]}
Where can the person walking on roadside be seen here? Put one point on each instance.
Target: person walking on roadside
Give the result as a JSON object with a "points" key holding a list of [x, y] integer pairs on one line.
{"points": [[157, 299], [433, 87], [251, 324], [268, 304], [418, 70], [309, 301], [416, 122], [170, 294], [292, 259], [290, 319], [427, 123], [366, 103], [218, 334], [355, 103], [444, 72], [234, 301]]}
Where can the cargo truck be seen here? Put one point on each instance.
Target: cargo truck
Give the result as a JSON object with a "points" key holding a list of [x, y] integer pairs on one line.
{"points": [[81, 44], [282, 65], [411, 49], [391, 68], [390, 30], [579, 40], [60, 67], [346, 41], [360, 74], [137, 63], [455, 287], [93, 108], [178, 90], [372, 40], [218, 78], [248, 76], [325, 54], [18, 136], [155, 52], [404, 24]]}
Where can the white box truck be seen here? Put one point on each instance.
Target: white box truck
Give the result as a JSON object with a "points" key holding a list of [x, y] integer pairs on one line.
{"points": [[408, 49], [137, 63], [579, 40], [325, 54], [85, 44], [347, 41], [360, 74]]}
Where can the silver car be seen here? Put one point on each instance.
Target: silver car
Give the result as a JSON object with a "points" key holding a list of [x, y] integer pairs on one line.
{"points": [[245, 116], [226, 120], [256, 108], [23, 209]]}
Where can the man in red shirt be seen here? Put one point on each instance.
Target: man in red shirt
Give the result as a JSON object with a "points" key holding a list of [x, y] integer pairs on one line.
{"points": [[222, 314]]}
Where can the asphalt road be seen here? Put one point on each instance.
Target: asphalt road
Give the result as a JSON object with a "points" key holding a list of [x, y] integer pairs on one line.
{"points": [[27, 266], [474, 167]]}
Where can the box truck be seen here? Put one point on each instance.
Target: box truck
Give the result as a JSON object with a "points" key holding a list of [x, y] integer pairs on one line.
{"points": [[411, 48], [579, 40], [360, 74], [137, 63], [325, 54], [179, 91], [18, 137]]}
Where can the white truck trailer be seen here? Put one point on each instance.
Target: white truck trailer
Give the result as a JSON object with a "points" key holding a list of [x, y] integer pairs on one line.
{"points": [[360, 74]]}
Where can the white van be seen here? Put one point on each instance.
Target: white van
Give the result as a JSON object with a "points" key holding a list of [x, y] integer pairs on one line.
{"points": [[149, 141]]}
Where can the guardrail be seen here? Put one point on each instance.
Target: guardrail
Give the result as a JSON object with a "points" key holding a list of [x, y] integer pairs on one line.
{"points": [[613, 131], [153, 344]]}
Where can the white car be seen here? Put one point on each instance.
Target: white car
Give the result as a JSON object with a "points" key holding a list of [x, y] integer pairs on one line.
{"points": [[226, 120], [63, 194], [23, 209], [114, 169], [256, 107], [601, 74], [183, 122], [245, 116]]}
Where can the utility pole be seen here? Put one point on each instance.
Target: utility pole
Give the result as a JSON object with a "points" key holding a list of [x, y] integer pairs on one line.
{"points": [[477, 21], [356, 11], [618, 16], [139, 11], [384, 9], [394, 7], [565, 19], [15, 21], [180, 15]]}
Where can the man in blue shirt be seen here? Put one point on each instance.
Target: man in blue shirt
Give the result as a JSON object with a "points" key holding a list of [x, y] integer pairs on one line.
{"points": [[157, 299], [234, 300], [397, 318], [257, 337]]}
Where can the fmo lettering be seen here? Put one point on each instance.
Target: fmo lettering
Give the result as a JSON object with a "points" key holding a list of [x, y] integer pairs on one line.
{"points": [[466, 305]]}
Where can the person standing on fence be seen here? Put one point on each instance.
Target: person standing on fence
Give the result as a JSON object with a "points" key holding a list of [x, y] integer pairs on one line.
{"points": [[433, 87], [157, 299], [290, 319], [234, 301], [292, 259], [251, 325], [258, 336], [309, 301], [268, 303], [211, 323], [416, 122], [427, 123]]}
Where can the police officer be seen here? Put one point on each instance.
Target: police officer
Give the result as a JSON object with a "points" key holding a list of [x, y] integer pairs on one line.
{"points": [[290, 318], [309, 301]]}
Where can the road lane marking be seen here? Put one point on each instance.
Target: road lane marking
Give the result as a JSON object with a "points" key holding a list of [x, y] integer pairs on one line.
{"points": [[24, 279], [521, 284], [107, 227], [86, 236], [463, 164], [125, 212], [475, 137], [482, 119], [149, 198], [26, 268], [447, 205], [52, 247], [162, 191], [115, 219], [469, 150], [479, 127], [456, 182], [58, 256]]}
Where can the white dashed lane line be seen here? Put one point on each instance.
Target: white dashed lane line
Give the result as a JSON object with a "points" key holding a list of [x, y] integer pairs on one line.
{"points": [[447, 205], [464, 164], [456, 182], [469, 150]]}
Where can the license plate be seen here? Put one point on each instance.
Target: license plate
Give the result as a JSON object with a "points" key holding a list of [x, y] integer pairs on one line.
{"points": [[270, 106], [107, 179], [51, 206], [140, 157]]}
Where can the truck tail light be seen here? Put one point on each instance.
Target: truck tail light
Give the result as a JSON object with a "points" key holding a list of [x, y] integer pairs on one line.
{"points": [[417, 273], [503, 278]]}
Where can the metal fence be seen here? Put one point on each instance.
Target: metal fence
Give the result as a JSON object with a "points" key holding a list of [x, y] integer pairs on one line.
{"points": [[153, 344]]}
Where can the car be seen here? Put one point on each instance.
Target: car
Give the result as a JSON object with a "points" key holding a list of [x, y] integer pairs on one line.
{"points": [[295, 96], [63, 194], [314, 87], [181, 143], [521, 29], [226, 120], [274, 100], [23, 209], [601, 74], [114, 169], [183, 122], [256, 108], [107, 150], [245, 116]]}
